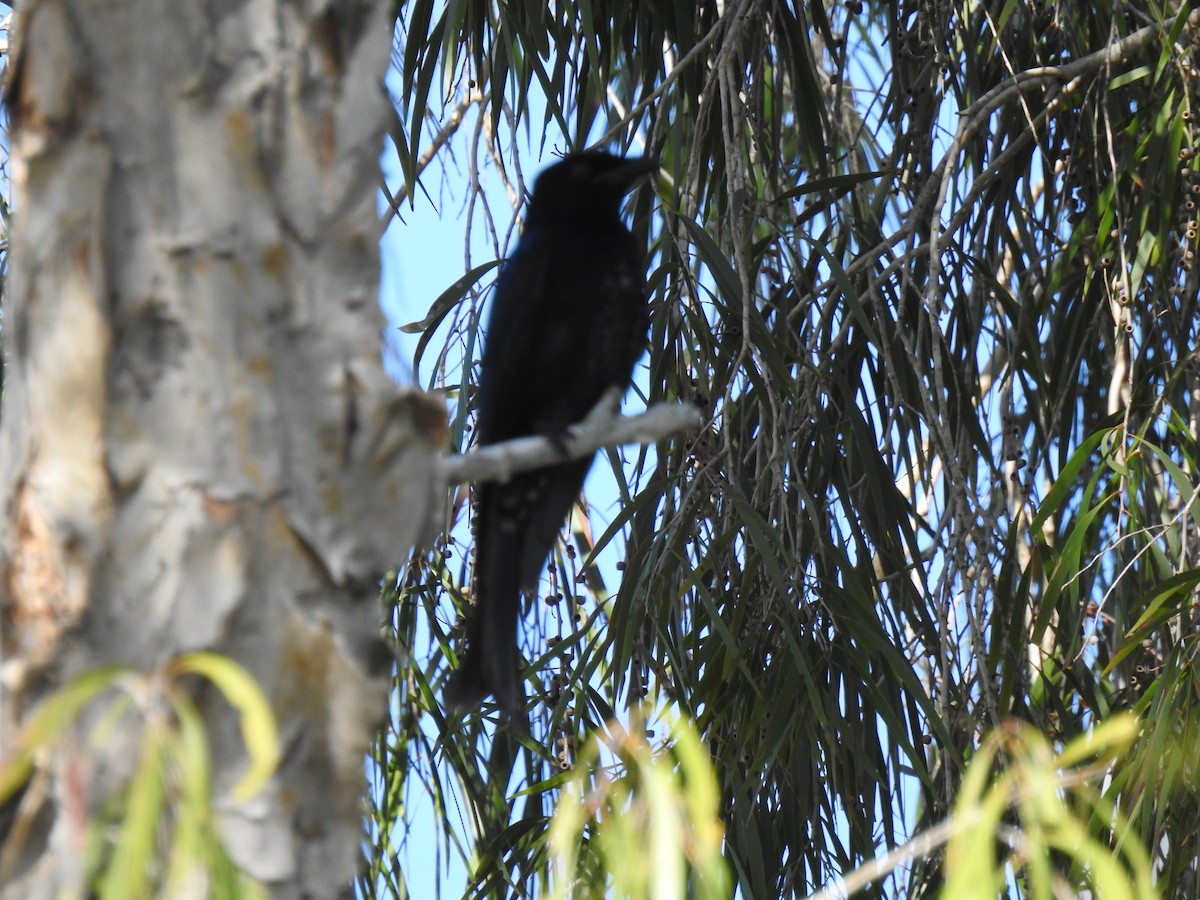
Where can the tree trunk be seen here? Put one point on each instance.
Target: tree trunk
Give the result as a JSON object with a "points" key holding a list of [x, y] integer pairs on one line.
{"points": [[198, 445]]}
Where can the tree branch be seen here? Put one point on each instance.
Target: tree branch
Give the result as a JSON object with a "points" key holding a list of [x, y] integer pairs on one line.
{"points": [[602, 427]]}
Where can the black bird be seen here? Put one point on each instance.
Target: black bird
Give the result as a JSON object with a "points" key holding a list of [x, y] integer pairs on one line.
{"points": [[568, 322]]}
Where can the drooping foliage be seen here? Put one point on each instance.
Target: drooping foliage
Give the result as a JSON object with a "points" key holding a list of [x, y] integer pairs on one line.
{"points": [[928, 271]]}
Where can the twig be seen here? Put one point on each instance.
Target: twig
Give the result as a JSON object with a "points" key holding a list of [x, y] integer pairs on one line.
{"points": [[920, 846], [439, 140]]}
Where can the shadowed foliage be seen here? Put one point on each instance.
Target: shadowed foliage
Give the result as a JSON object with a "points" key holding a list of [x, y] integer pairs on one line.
{"points": [[927, 269]]}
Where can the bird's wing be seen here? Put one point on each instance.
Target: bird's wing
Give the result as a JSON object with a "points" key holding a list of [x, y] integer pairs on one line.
{"points": [[514, 331], [566, 308]]}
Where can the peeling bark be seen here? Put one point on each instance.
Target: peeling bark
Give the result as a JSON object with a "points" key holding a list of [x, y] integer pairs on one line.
{"points": [[198, 444]]}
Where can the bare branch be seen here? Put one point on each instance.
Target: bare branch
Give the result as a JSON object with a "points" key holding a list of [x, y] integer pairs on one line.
{"points": [[603, 427]]}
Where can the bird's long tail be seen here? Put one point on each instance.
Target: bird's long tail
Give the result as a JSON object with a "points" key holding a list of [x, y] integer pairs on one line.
{"points": [[492, 663]]}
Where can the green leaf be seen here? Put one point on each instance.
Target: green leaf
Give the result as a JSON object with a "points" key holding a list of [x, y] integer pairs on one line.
{"points": [[728, 284], [1158, 605], [131, 869], [837, 184], [47, 724], [1065, 483], [445, 303], [257, 720]]}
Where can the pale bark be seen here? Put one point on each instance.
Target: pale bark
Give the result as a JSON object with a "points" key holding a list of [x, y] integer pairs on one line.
{"points": [[198, 445]]}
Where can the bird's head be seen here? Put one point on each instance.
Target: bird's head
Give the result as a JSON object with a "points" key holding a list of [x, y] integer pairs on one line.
{"points": [[586, 187]]}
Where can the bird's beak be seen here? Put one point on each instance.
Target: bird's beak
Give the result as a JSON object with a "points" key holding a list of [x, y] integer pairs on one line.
{"points": [[631, 172]]}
